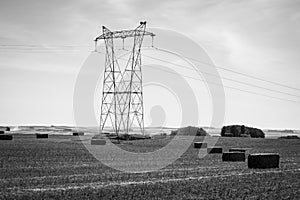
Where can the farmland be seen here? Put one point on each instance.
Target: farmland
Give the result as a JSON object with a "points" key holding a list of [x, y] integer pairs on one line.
{"points": [[60, 167]]}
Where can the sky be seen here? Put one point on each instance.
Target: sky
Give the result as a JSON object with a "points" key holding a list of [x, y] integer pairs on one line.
{"points": [[44, 44]]}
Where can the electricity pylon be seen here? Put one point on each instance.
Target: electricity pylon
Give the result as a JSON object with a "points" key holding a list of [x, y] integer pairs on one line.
{"points": [[122, 95]]}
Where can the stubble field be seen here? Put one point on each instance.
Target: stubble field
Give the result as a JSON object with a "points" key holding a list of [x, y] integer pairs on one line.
{"points": [[60, 167]]}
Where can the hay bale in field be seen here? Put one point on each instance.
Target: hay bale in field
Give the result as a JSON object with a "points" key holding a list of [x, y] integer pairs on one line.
{"points": [[41, 135], [233, 157], [263, 160], [199, 145], [2, 132], [6, 137], [98, 142], [78, 133], [7, 129], [237, 150], [214, 150]]}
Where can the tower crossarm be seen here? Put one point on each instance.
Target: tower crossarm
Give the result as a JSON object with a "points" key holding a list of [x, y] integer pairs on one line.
{"points": [[125, 33]]}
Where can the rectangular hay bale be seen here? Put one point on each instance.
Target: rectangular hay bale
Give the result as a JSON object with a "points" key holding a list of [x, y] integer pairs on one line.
{"points": [[199, 145], [6, 137], [214, 150], [233, 157], [2, 132], [78, 133], [41, 135], [263, 160]]}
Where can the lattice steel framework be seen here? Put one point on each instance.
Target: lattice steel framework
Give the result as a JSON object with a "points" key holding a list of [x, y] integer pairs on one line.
{"points": [[122, 95]]}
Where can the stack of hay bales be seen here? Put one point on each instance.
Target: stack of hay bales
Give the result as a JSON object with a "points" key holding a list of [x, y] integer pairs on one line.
{"points": [[41, 135], [233, 157], [263, 160], [198, 145], [241, 131], [78, 133]]}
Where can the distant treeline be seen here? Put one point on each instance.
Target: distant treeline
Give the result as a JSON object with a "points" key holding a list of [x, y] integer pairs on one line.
{"points": [[289, 137], [190, 130], [241, 131]]}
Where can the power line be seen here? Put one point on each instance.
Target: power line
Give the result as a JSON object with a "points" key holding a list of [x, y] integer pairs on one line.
{"points": [[230, 87], [33, 48], [40, 50], [42, 46], [43, 52], [233, 71], [44, 49], [225, 78], [234, 88], [283, 99]]}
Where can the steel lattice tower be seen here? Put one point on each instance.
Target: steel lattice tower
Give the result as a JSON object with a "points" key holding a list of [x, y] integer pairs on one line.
{"points": [[122, 95]]}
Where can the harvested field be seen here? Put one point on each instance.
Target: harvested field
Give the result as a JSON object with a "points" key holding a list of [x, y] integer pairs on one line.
{"points": [[61, 168]]}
